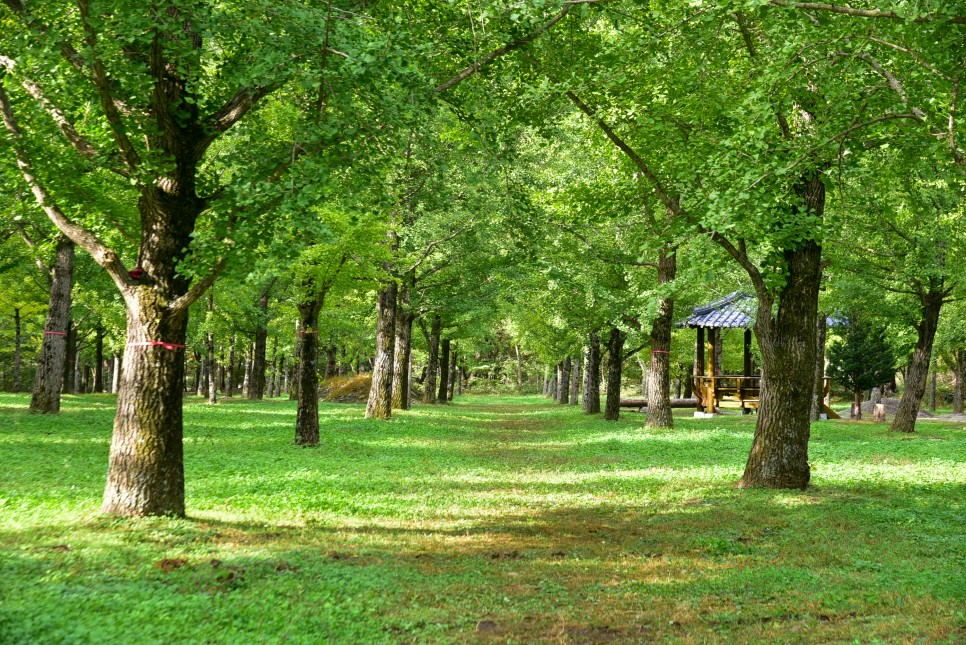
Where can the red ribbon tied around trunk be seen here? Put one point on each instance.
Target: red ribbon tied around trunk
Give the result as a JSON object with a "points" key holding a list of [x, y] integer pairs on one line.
{"points": [[156, 343], [308, 331], [660, 351], [54, 333]]}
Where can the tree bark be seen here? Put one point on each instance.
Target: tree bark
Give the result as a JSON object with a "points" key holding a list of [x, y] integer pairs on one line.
{"points": [[519, 368], [857, 405], [819, 380], [575, 381], [441, 395], [566, 367], [17, 349], [53, 349], [232, 366], [402, 352], [436, 326], [116, 374], [307, 375], [452, 375], [212, 381], [256, 389], [281, 376], [659, 372], [615, 360], [592, 375], [915, 383], [99, 360], [379, 405]]}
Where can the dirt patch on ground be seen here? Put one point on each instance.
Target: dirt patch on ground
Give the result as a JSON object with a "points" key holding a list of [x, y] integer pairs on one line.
{"points": [[346, 389]]}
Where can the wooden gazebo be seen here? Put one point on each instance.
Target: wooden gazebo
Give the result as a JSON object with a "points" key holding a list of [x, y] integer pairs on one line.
{"points": [[733, 311]]}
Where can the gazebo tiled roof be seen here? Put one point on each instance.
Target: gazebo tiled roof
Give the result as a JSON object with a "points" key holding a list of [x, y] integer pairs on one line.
{"points": [[732, 311]]}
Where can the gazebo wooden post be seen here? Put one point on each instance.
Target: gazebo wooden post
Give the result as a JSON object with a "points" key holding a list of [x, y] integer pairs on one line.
{"points": [[746, 371], [699, 367], [712, 402]]}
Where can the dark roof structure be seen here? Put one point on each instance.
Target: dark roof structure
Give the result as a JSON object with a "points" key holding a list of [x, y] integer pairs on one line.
{"points": [[732, 311]]}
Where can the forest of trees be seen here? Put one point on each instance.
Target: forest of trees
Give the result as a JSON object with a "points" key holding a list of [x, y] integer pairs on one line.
{"points": [[228, 199]]}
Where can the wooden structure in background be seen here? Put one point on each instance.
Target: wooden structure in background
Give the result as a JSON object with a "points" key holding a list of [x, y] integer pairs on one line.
{"points": [[734, 311]]}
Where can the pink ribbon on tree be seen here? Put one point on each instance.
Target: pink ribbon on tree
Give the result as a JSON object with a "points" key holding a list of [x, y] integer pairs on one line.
{"points": [[156, 343], [54, 333]]}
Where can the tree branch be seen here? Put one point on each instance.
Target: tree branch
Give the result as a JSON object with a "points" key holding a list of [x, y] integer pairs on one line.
{"points": [[231, 112], [74, 138], [866, 13], [102, 254], [195, 292], [496, 53]]}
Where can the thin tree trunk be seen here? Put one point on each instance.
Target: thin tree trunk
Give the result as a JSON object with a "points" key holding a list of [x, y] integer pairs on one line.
{"points": [[564, 396], [379, 405], [857, 405], [292, 387], [232, 359], [915, 382], [212, 366], [615, 359], [441, 396], [452, 375], [819, 380], [429, 393], [659, 371], [575, 381], [281, 377], [592, 375], [200, 389], [17, 349], [402, 352], [256, 389], [67, 387], [519, 368], [53, 349], [99, 360]]}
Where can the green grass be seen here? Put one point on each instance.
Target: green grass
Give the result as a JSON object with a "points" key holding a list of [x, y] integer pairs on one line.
{"points": [[497, 519]]}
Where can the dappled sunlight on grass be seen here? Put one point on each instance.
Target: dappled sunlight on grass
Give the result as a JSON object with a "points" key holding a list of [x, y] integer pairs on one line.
{"points": [[492, 519]]}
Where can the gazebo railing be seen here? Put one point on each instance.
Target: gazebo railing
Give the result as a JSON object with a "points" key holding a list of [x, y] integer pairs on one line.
{"points": [[746, 390]]}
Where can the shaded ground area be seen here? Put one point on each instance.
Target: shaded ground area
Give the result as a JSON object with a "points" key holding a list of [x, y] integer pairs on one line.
{"points": [[489, 520]]}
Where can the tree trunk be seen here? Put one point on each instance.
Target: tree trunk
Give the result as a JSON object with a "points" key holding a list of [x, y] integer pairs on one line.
{"points": [[819, 380], [908, 411], [249, 361], [429, 392], [232, 365], [592, 375], [443, 372], [200, 389], [615, 360], [575, 381], [53, 349], [402, 352], [256, 389], [379, 405], [307, 375], [67, 386], [519, 368], [146, 472], [659, 371], [932, 388], [210, 346], [281, 376], [857, 405], [17, 349], [99, 360], [116, 374], [566, 367], [452, 375]]}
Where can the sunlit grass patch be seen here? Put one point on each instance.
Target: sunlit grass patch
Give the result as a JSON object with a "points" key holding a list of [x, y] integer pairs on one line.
{"points": [[504, 519]]}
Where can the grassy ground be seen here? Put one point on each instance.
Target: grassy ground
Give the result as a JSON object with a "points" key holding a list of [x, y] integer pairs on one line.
{"points": [[493, 520]]}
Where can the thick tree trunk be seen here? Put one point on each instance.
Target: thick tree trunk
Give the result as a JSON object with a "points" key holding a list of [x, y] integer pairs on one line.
{"points": [[402, 352], [915, 382], [99, 360], [615, 360], [575, 381], [432, 365], [146, 472], [307, 375], [659, 371], [564, 396], [17, 349], [379, 405], [256, 389], [441, 396], [592, 375], [819, 380], [53, 349], [116, 374]]}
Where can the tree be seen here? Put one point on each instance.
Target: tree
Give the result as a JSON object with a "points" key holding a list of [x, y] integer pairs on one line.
{"points": [[863, 359]]}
